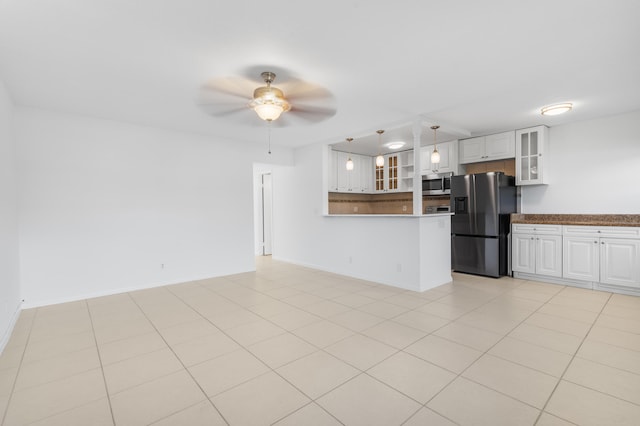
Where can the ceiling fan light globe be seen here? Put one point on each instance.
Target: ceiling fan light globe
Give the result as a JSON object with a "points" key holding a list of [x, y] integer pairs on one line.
{"points": [[269, 102], [268, 111], [379, 161]]}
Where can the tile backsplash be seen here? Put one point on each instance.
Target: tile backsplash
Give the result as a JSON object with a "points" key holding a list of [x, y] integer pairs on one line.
{"points": [[391, 203]]}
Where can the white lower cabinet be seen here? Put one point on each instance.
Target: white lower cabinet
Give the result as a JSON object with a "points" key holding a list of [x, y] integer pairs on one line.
{"points": [[549, 255], [620, 262], [606, 255], [537, 249], [581, 258], [600, 257]]}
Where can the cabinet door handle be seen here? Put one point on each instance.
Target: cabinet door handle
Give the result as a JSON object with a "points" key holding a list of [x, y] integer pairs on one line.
{"points": [[595, 242], [602, 243]]}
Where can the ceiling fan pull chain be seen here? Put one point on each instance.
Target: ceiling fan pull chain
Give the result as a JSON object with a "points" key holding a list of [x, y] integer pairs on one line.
{"points": [[269, 127]]}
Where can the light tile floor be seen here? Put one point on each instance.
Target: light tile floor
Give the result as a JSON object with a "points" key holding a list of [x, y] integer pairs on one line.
{"points": [[289, 345]]}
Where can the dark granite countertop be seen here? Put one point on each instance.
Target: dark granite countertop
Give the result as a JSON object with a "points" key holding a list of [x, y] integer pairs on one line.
{"points": [[579, 219]]}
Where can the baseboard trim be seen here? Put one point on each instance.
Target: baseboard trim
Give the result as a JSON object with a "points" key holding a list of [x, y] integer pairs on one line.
{"points": [[589, 285], [9, 331]]}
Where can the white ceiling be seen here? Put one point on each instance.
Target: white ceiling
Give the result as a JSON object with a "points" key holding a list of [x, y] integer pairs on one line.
{"points": [[479, 66]]}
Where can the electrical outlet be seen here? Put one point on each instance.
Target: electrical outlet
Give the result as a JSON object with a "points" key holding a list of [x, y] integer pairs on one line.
{"points": [[399, 267], [404, 208], [355, 209], [350, 259]]}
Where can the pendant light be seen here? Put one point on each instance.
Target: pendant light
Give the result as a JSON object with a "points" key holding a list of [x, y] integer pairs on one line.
{"points": [[349, 161], [435, 155], [379, 158]]}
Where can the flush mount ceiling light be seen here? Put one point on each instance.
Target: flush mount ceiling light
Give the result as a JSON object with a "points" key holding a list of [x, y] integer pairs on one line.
{"points": [[435, 155], [349, 161], [269, 102], [379, 158], [395, 145], [557, 109]]}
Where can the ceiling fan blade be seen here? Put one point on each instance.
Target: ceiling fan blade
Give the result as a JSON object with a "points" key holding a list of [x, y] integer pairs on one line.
{"points": [[229, 86], [298, 90], [311, 113], [222, 110]]}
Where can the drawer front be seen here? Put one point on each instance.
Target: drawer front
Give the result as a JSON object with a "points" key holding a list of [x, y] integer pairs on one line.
{"points": [[619, 232], [536, 229], [581, 231], [602, 231]]}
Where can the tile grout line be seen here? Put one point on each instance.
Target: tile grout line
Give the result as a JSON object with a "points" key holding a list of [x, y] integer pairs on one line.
{"points": [[498, 295], [180, 361], [450, 321], [104, 379], [486, 352], [570, 362], [272, 370], [322, 349]]}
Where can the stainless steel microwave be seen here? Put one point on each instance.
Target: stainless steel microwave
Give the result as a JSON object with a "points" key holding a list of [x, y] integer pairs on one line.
{"points": [[436, 184]]}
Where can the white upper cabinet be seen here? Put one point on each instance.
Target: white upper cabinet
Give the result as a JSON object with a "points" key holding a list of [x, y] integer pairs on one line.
{"points": [[499, 146], [357, 180], [448, 158], [531, 146], [396, 175], [472, 150], [487, 148]]}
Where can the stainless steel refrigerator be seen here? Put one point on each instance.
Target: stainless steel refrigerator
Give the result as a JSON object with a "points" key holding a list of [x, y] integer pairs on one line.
{"points": [[482, 205]]}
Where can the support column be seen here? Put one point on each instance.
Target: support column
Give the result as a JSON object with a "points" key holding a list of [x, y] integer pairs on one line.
{"points": [[417, 179]]}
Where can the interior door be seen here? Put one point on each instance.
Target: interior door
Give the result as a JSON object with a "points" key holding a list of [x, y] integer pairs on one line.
{"points": [[267, 212]]}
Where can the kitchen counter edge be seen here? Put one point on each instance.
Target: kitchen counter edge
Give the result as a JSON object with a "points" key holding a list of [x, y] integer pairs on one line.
{"points": [[629, 220]]}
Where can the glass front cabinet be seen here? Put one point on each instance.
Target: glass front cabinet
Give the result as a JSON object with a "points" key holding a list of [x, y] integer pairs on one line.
{"points": [[531, 147]]}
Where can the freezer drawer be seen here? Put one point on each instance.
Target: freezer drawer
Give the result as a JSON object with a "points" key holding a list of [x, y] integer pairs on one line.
{"points": [[480, 255]]}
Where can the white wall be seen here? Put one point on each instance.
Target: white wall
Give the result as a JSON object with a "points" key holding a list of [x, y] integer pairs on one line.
{"points": [[9, 247], [593, 168], [107, 207]]}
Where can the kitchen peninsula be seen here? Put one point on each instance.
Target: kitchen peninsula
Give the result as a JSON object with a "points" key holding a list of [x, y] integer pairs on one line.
{"points": [[407, 251], [382, 235]]}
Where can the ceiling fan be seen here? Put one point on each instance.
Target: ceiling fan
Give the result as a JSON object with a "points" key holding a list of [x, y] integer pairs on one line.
{"points": [[294, 101]]}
